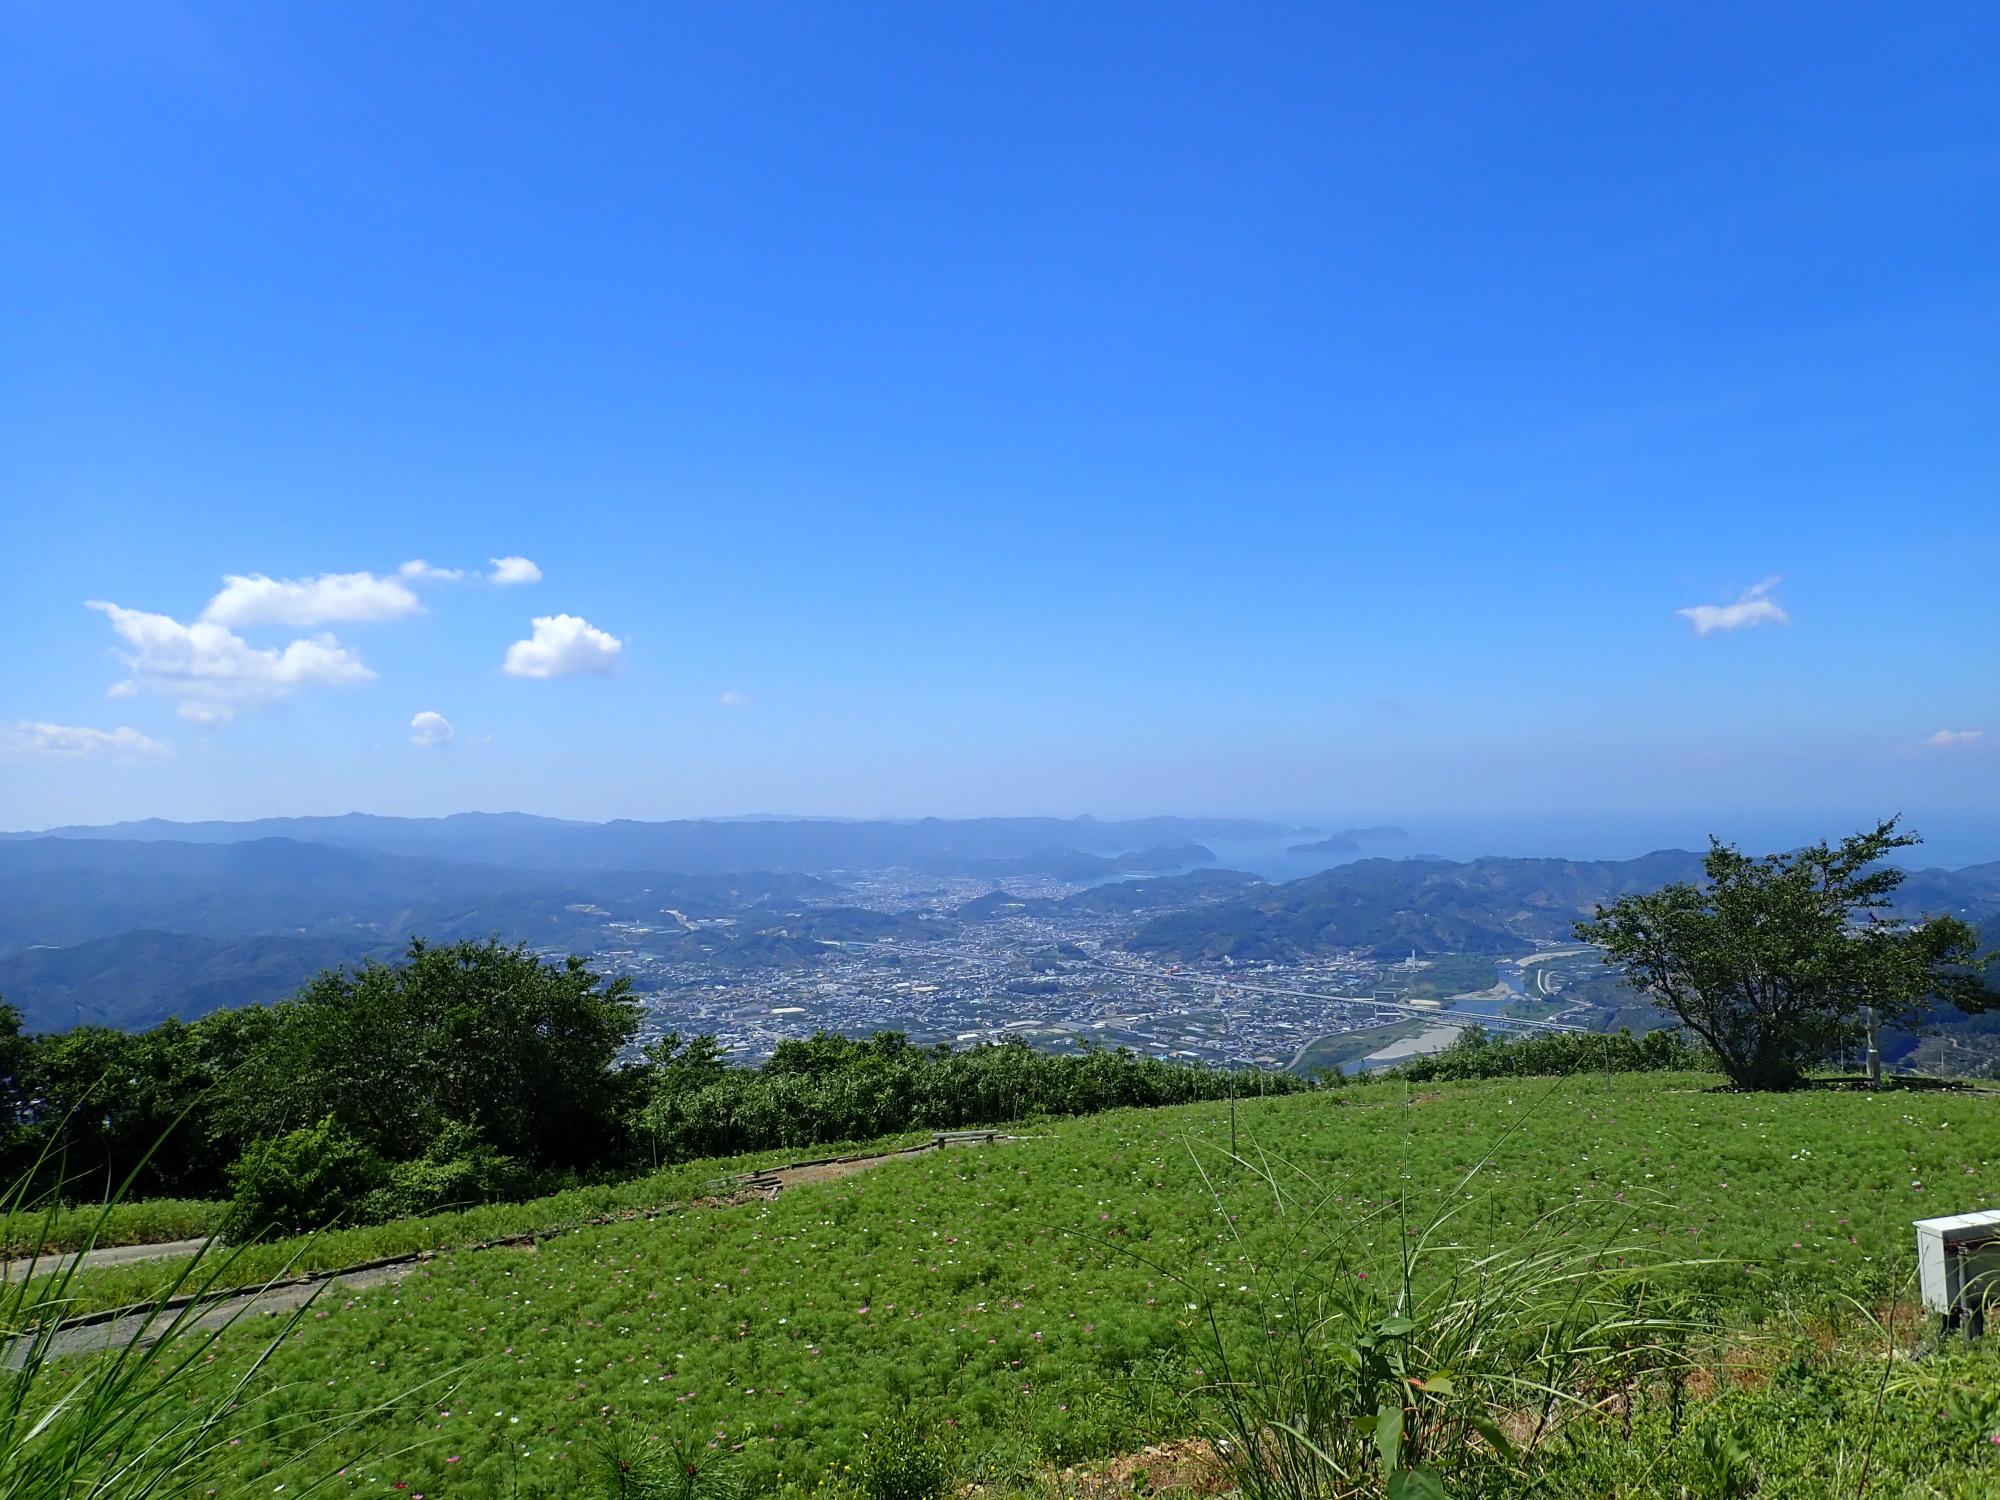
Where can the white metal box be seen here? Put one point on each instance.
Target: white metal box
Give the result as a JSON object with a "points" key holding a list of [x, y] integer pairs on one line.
{"points": [[1958, 1261]]}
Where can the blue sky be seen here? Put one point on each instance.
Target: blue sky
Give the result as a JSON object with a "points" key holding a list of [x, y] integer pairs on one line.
{"points": [[1016, 408]]}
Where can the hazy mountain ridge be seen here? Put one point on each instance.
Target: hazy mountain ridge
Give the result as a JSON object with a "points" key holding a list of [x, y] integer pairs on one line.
{"points": [[1492, 905], [695, 846], [66, 891], [141, 978], [1112, 897], [127, 931]]}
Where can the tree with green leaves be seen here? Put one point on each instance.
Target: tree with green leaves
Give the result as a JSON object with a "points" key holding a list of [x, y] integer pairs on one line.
{"points": [[1774, 961], [521, 1052]]}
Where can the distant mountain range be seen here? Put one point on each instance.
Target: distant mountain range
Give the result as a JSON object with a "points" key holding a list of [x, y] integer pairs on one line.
{"points": [[64, 891], [127, 930], [525, 841], [139, 979], [1476, 906], [1114, 897]]}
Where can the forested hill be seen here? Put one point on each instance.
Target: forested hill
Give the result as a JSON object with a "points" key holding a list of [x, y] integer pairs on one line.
{"points": [[1492, 905], [63, 891], [139, 979], [1435, 906]]}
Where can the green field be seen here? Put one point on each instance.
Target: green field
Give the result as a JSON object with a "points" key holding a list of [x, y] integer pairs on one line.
{"points": [[1340, 1048], [1443, 976], [1036, 1296]]}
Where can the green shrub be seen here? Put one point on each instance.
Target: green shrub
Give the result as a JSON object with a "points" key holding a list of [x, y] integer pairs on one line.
{"points": [[908, 1457], [303, 1180], [459, 1171], [626, 1465], [1476, 1055]]}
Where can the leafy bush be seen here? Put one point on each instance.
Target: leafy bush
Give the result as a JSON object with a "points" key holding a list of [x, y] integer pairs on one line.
{"points": [[831, 1088], [523, 1051], [908, 1457], [1476, 1055], [303, 1180], [458, 1171]]}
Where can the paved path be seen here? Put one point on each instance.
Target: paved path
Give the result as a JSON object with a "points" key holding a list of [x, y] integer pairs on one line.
{"points": [[89, 1337], [148, 1327], [113, 1255]]}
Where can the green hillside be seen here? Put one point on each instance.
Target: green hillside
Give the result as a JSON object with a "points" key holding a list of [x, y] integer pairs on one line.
{"points": [[1432, 905], [1049, 1299]]}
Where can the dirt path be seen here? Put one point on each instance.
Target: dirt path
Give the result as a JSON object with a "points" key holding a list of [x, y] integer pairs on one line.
{"points": [[771, 1181], [115, 1329]]}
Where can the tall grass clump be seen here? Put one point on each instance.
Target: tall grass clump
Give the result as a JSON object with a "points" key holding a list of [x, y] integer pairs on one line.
{"points": [[95, 1413], [1437, 1368]]}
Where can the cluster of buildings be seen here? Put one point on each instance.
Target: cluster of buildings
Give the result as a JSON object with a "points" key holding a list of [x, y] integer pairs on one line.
{"points": [[1049, 974]]}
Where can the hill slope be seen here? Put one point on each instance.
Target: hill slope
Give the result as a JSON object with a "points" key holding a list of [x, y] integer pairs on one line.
{"points": [[1434, 906], [139, 979], [1016, 1290]]}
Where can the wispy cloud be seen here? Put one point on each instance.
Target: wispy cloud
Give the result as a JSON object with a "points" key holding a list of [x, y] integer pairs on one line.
{"points": [[731, 698], [1754, 606], [417, 569], [430, 729], [1946, 739], [508, 570], [564, 646], [122, 743], [214, 672]]}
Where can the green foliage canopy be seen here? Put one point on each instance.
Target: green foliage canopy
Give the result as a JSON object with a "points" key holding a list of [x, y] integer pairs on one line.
{"points": [[480, 1034], [1772, 960]]}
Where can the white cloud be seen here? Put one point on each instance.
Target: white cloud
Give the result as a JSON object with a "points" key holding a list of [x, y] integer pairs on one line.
{"points": [[417, 570], [513, 570], [1945, 739], [214, 672], [253, 599], [733, 699], [430, 728], [1754, 606], [121, 743], [564, 646]]}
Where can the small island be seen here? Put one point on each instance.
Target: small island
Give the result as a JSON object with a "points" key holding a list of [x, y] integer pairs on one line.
{"points": [[1173, 857], [1352, 840]]}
